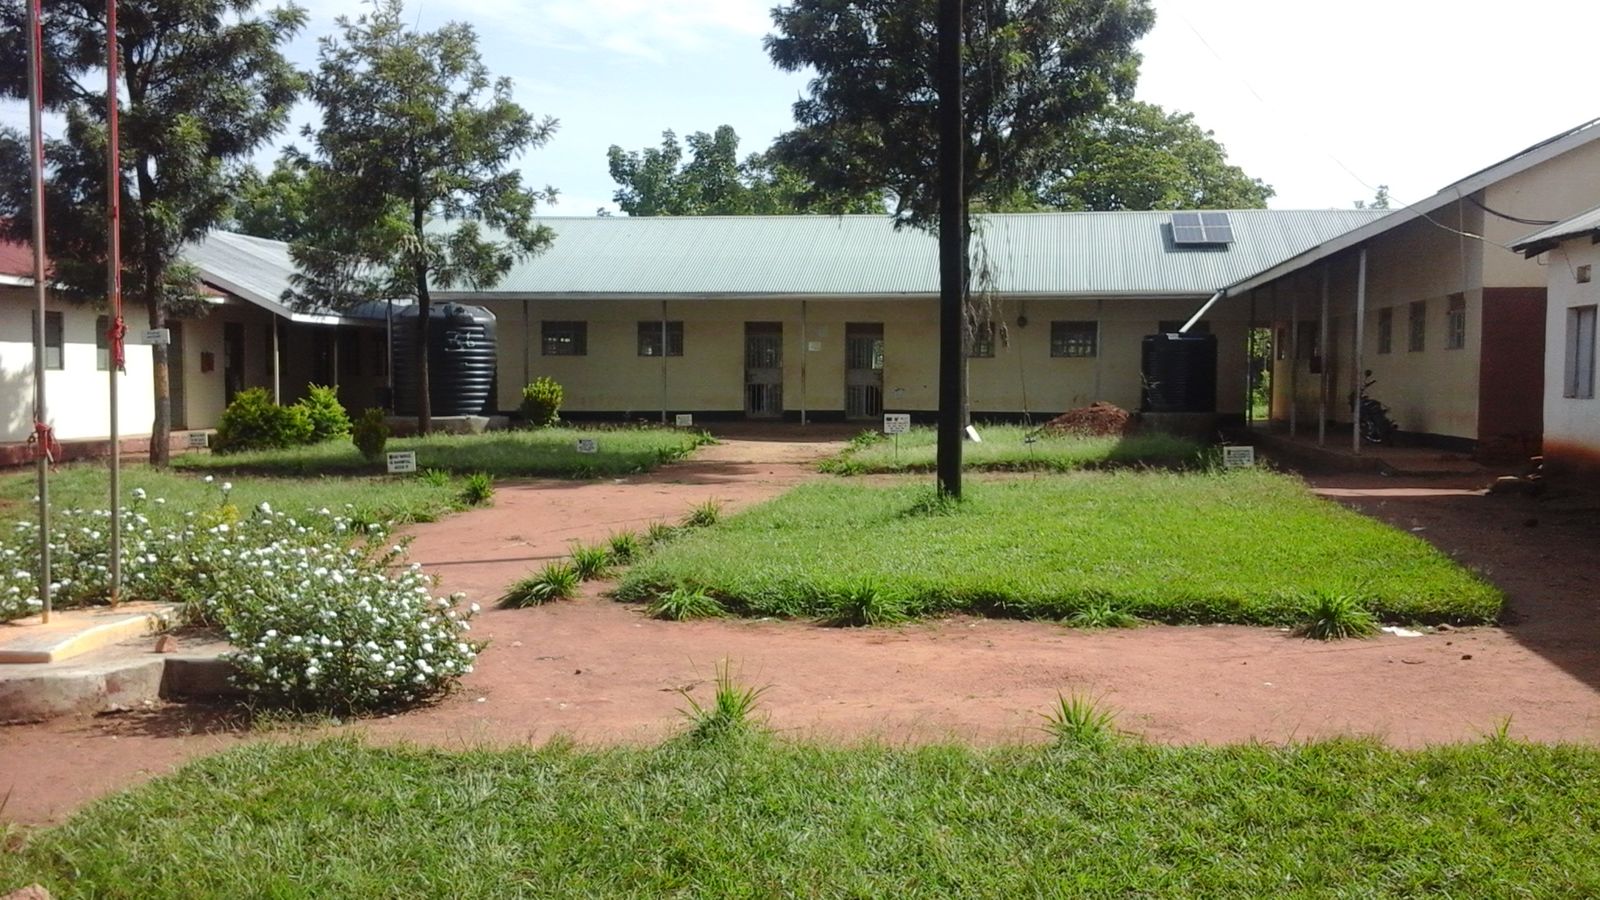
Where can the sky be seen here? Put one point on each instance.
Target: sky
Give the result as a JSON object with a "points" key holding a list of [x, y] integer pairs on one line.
{"points": [[1322, 101]]}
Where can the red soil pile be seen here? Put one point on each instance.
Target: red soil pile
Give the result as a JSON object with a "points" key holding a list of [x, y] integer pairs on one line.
{"points": [[1095, 420]]}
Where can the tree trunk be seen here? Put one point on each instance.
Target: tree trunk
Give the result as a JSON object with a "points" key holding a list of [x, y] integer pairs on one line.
{"points": [[161, 429]]}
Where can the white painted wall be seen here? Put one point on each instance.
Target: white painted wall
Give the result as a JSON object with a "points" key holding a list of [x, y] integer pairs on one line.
{"points": [[1571, 425], [75, 394]]}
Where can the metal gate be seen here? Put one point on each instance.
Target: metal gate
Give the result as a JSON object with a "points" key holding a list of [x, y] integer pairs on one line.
{"points": [[763, 370], [863, 370]]}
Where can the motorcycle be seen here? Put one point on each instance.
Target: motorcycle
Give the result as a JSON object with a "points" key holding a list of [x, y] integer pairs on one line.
{"points": [[1376, 425]]}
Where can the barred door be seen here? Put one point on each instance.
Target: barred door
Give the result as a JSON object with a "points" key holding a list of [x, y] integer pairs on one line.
{"points": [[863, 370], [763, 370]]}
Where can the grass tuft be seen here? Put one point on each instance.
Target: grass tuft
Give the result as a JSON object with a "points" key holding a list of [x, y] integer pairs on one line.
{"points": [[864, 602], [477, 489], [625, 546], [435, 477], [1330, 617], [683, 603], [730, 713], [703, 515], [1080, 720], [658, 533], [1102, 614], [556, 581], [591, 561]]}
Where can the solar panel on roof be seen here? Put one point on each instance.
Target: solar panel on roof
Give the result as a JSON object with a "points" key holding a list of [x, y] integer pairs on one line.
{"points": [[1201, 228]]}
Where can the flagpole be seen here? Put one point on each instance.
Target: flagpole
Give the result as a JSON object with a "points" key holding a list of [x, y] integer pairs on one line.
{"points": [[118, 330], [41, 428]]}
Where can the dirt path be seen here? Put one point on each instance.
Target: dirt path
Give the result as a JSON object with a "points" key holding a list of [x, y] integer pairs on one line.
{"points": [[600, 671]]}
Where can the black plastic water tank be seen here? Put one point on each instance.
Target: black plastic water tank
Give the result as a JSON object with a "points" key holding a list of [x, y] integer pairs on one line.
{"points": [[461, 360], [1180, 373]]}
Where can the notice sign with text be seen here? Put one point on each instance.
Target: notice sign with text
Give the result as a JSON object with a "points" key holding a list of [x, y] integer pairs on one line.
{"points": [[401, 461], [588, 445], [896, 423], [1238, 457], [158, 337], [685, 420]]}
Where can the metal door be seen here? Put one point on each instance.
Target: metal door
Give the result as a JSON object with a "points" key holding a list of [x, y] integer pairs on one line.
{"points": [[232, 360], [863, 370], [763, 370]]}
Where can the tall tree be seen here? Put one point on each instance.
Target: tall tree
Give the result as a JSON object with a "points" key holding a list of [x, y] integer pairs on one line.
{"points": [[413, 158], [1034, 71], [274, 206], [715, 182], [203, 85], [1380, 199], [1139, 156]]}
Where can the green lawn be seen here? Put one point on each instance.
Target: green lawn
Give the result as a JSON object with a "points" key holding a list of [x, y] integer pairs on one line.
{"points": [[1015, 448], [84, 485], [758, 817], [542, 452], [1248, 546]]}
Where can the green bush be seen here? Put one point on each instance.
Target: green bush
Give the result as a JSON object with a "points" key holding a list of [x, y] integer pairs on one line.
{"points": [[253, 422], [371, 434], [327, 415], [541, 403]]}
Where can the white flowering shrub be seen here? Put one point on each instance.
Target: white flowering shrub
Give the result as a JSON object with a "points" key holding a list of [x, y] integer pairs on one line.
{"points": [[321, 611]]}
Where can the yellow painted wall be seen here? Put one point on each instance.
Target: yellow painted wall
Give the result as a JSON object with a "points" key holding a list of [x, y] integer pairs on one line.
{"points": [[709, 376], [1434, 390], [1553, 190]]}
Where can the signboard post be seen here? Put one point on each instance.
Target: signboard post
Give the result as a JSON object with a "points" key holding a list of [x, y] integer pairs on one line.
{"points": [[401, 461], [588, 445], [1238, 457], [199, 440], [896, 424]]}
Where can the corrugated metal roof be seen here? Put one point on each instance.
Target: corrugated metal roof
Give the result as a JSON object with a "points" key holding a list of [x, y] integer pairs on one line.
{"points": [[258, 270], [1088, 254], [1580, 224]]}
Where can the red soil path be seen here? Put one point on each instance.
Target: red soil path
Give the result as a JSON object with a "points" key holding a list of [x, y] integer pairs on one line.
{"points": [[601, 671]]}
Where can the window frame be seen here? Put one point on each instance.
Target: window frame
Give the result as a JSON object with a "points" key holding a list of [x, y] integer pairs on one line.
{"points": [[1582, 324], [1455, 322], [102, 344], [1065, 334], [575, 333], [1417, 326], [983, 335], [649, 338], [55, 350], [1386, 330]]}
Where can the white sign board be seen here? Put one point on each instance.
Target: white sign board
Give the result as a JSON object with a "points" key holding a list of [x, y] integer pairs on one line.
{"points": [[896, 423], [685, 420], [401, 461], [199, 440], [1238, 457], [588, 445], [158, 337]]}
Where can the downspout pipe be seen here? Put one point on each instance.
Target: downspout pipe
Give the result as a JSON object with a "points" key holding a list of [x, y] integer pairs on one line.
{"points": [[1203, 310]]}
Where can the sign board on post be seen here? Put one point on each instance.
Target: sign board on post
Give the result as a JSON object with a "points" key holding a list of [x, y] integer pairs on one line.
{"points": [[588, 445], [896, 423], [401, 461], [685, 420], [199, 440], [1238, 457], [158, 337]]}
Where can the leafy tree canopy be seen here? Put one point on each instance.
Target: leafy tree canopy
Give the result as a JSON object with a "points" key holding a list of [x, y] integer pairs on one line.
{"points": [[1139, 156], [275, 205], [1380, 200], [1033, 69], [412, 160], [203, 84], [715, 182]]}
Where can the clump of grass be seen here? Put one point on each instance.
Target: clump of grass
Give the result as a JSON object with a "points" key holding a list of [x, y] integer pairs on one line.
{"points": [[435, 477], [864, 602], [659, 533], [682, 603], [934, 503], [1102, 613], [731, 711], [1330, 617], [703, 515], [1080, 720], [625, 546], [477, 489], [556, 581], [591, 561]]}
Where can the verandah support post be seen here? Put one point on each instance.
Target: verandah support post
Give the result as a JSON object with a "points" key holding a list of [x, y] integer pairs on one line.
{"points": [[1323, 378], [1358, 376], [1294, 357], [805, 345], [664, 402], [952, 248]]}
